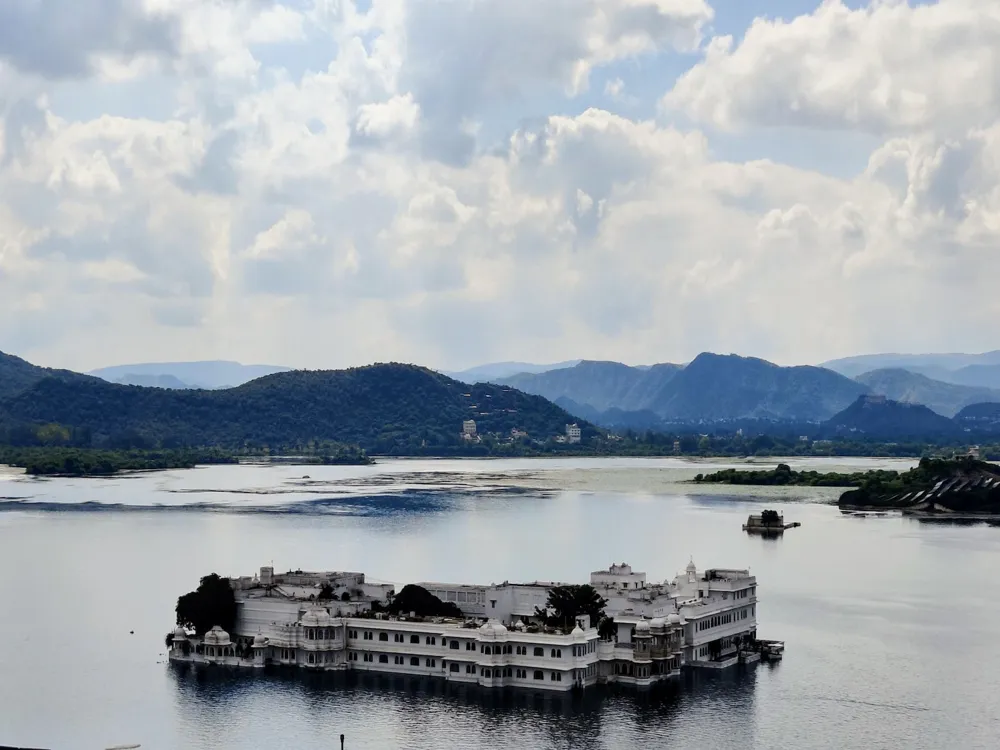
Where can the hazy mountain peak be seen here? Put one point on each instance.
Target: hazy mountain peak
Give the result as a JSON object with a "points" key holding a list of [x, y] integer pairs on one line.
{"points": [[208, 374]]}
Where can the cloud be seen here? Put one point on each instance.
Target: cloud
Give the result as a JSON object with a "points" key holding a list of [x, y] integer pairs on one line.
{"points": [[65, 38], [437, 191], [887, 67]]}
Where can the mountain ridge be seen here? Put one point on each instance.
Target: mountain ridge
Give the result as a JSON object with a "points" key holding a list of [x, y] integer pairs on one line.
{"points": [[944, 398], [711, 387]]}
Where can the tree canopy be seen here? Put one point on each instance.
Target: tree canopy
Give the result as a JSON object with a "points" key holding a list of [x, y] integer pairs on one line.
{"points": [[422, 603], [211, 604], [566, 603]]}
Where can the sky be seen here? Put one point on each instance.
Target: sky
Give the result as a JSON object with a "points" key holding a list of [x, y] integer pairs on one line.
{"points": [[329, 183]]}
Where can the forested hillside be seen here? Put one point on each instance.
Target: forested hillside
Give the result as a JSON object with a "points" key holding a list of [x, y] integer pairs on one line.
{"points": [[386, 408]]}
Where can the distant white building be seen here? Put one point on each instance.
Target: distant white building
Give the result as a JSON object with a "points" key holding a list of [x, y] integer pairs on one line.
{"points": [[469, 429], [572, 433], [696, 620]]}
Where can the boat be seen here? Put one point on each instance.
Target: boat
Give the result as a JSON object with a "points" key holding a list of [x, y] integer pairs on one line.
{"points": [[771, 650]]}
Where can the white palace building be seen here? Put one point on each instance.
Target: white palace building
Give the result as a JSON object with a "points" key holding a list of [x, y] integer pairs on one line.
{"points": [[697, 619]]}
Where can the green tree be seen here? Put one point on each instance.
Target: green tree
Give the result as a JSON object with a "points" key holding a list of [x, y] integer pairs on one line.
{"points": [[567, 603], [211, 604]]}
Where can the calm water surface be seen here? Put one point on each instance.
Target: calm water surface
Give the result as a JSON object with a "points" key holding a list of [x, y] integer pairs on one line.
{"points": [[892, 626]]}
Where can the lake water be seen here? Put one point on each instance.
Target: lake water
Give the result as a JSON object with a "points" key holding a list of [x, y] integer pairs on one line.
{"points": [[892, 626]]}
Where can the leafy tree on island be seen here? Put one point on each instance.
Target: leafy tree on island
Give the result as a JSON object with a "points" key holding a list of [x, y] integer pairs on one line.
{"points": [[422, 603], [211, 604], [566, 603]]}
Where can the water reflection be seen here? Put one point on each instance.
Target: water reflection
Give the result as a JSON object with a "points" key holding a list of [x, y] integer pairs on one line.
{"points": [[410, 712]]}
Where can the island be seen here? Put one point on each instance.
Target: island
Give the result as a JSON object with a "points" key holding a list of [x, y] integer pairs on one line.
{"points": [[958, 486], [963, 486], [620, 628], [784, 476], [91, 462]]}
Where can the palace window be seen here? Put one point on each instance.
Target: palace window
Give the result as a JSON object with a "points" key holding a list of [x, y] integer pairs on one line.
{"points": [[470, 668], [454, 667], [539, 674], [414, 639], [430, 663], [454, 645], [383, 636], [470, 646], [398, 659], [397, 637], [557, 677], [431, 640], [383, 658], [539, 651]]}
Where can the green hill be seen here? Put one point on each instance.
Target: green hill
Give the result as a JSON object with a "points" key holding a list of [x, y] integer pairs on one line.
{"points": [[384, 408], [17, 375], [876, 417]]}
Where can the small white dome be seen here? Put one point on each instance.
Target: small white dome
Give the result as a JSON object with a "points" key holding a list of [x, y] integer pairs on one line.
{"points": [[674, 619], [519, 625], [259, 640], [691, 568], [642, 626], [658, 622], [492, 627], [577, 631], [179, 633], [217, 637], [316, 617]]}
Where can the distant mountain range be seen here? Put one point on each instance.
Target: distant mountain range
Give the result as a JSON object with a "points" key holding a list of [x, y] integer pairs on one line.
{"points": [[385, 408], [945, 398], [979, 370], [725, 388], [711, 388], [491, 372], [209, 375], [391, 408]]}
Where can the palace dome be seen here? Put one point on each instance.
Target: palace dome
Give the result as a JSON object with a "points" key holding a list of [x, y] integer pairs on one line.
{"points": [[642, 626], [259, 640], [179, 632], [658, 622], [674, 619], [491, 627], [316, 617], [217, 637]]}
